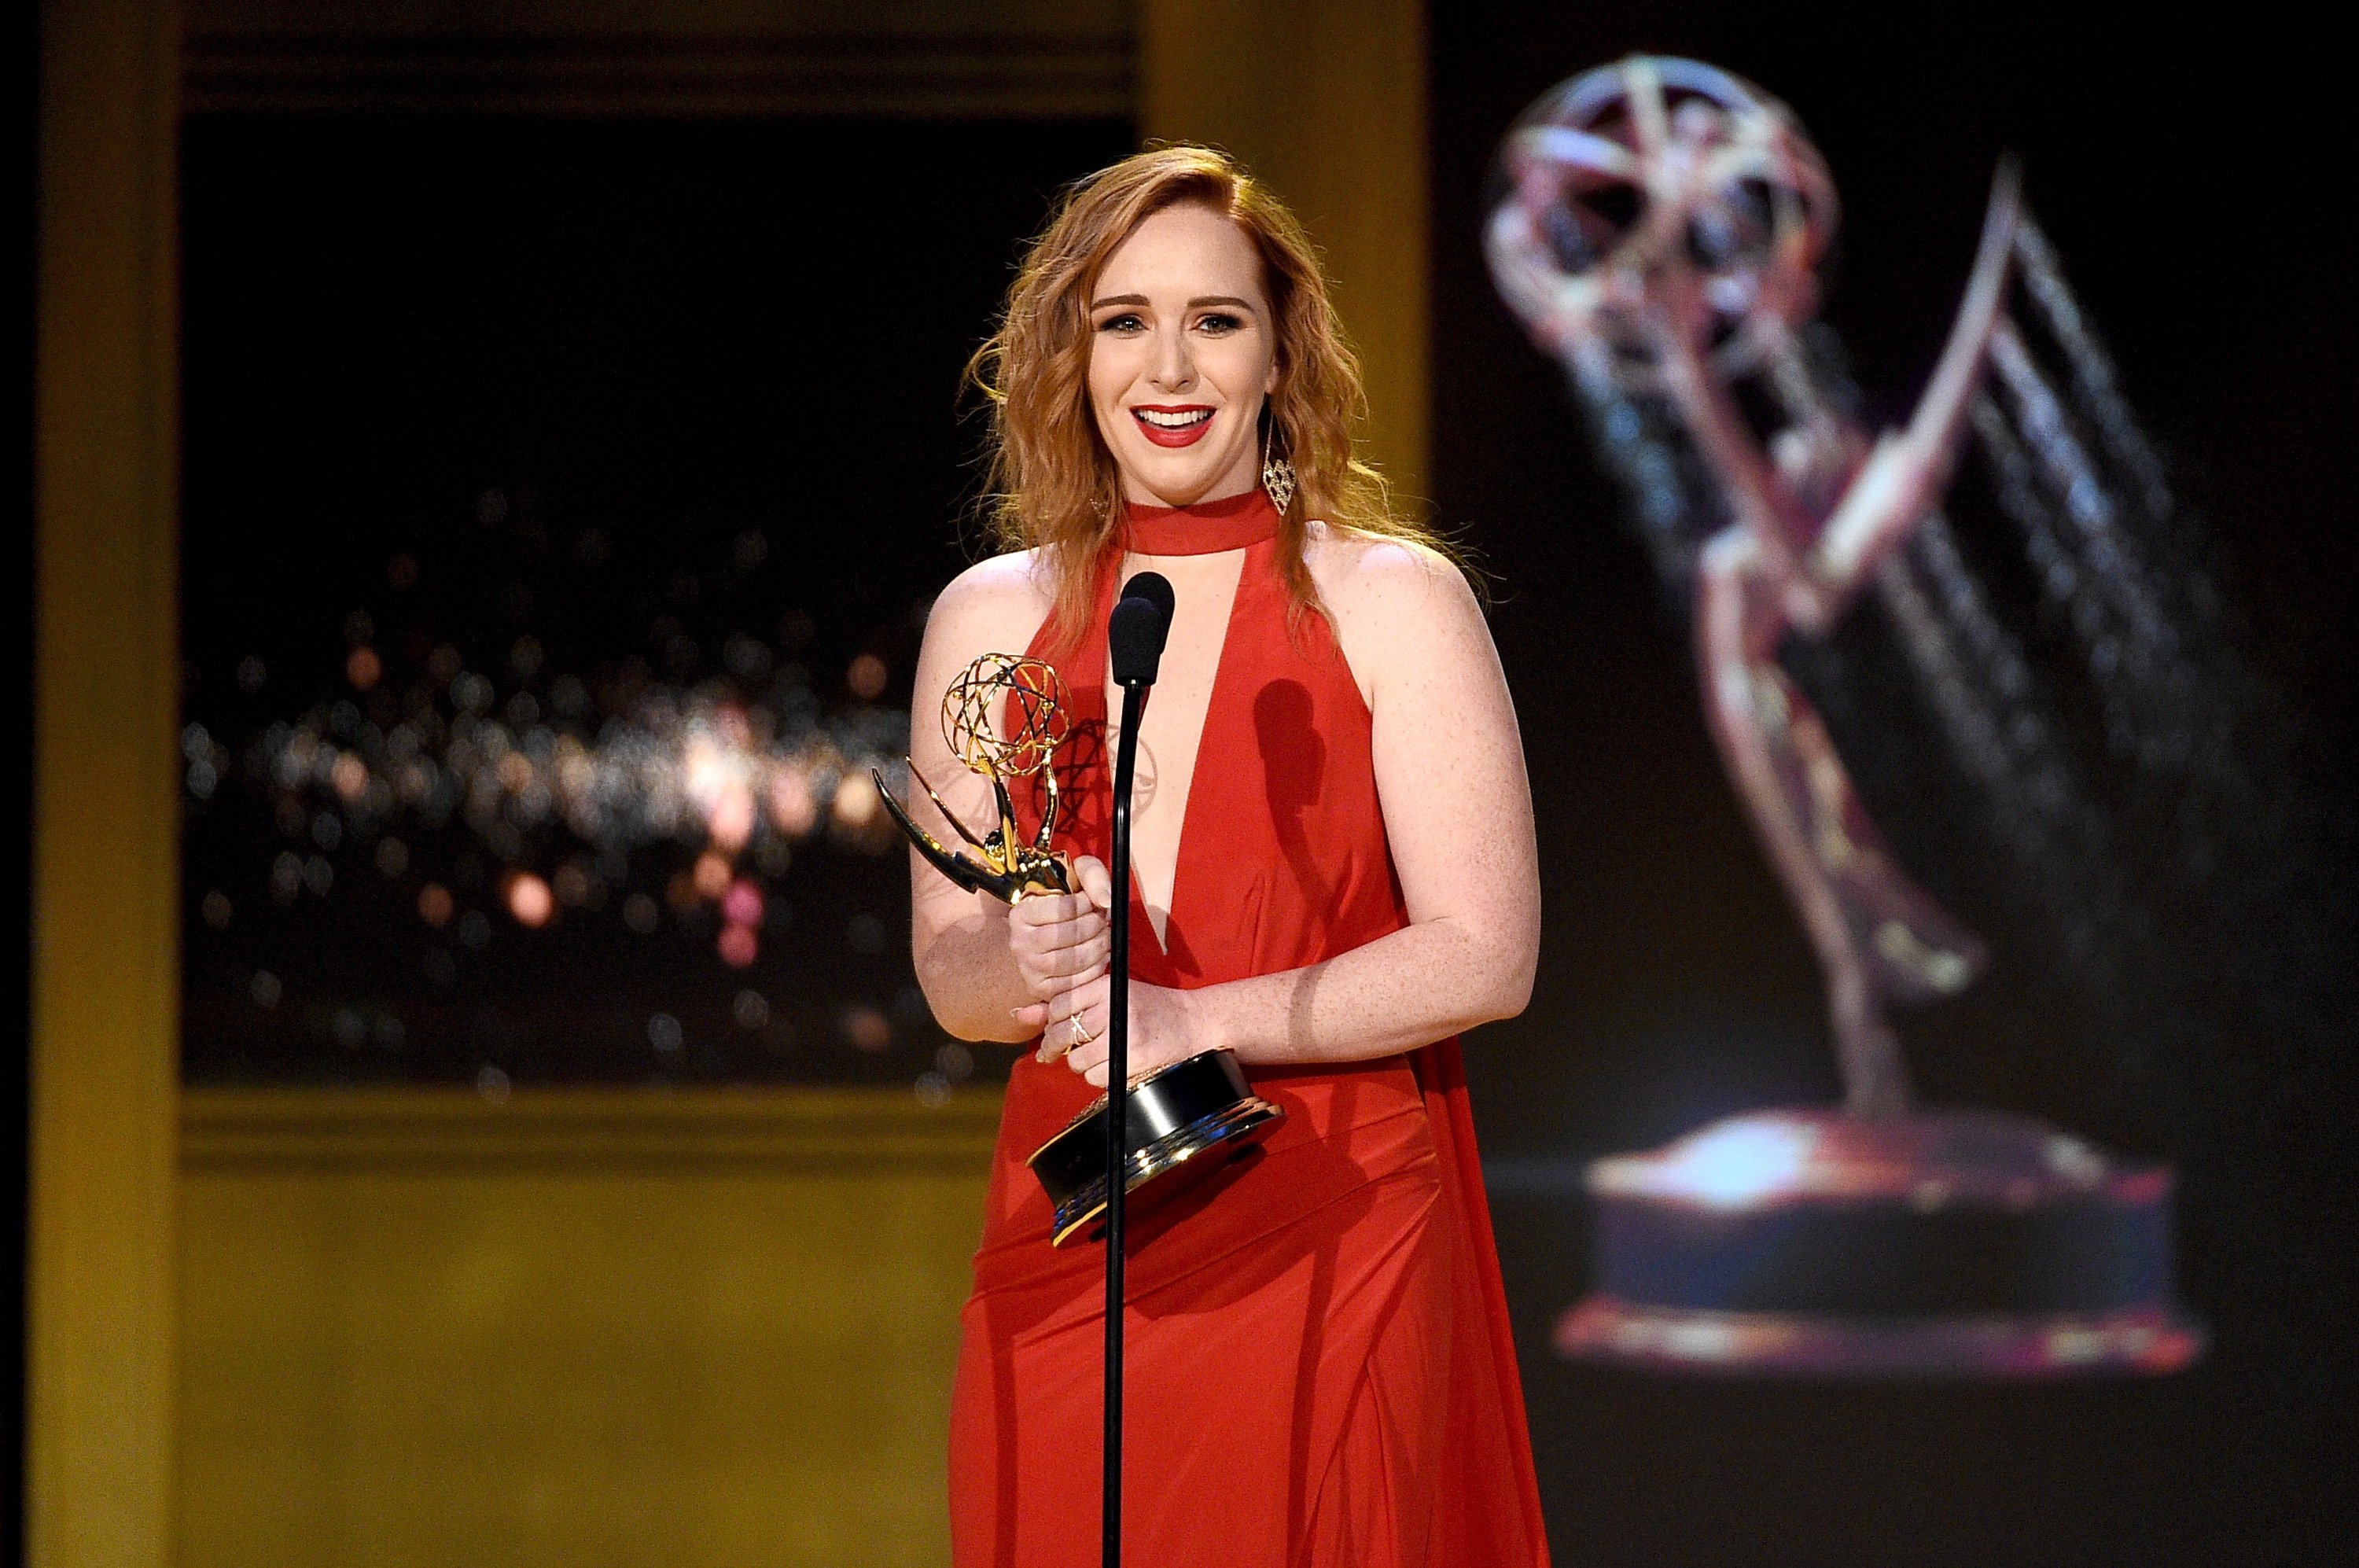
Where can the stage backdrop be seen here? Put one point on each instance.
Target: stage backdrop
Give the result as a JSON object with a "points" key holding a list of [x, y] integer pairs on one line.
{"points": [[417, 432], [2176, 178]]}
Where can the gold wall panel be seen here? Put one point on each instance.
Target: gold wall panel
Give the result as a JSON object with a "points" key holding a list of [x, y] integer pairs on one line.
{"points": [[105, 977], [1326, 100], [583, 1327]]}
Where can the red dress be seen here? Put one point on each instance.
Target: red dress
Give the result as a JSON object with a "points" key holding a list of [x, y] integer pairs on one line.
{"points": [[1319, 1367]]}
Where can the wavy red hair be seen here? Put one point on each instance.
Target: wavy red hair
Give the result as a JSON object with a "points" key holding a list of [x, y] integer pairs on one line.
{"points": [[1052, 484]]}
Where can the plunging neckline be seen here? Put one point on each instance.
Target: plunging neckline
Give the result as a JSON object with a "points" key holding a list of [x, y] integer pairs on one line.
{"points": [[1233, 524], [1141, 909]]}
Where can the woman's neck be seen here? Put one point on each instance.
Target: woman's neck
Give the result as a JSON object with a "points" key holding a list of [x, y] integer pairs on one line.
{"points": [[1223, 487]]}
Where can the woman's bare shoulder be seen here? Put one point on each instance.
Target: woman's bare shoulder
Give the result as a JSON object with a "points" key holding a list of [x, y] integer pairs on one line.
{"points": [[1362, 573], [1397, 607], [1019, 576], [1001, 600]]}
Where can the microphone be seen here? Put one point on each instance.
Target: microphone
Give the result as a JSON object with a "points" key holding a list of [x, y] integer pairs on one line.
{"points": [[1136, 633], [1137, 630]]}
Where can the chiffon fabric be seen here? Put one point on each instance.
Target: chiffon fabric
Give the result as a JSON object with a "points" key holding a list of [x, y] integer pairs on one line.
{"points": [[1319, 1364]]}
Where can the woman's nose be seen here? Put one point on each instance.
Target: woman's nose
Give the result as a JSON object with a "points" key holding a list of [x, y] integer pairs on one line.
{"points": [[1175, 371]]}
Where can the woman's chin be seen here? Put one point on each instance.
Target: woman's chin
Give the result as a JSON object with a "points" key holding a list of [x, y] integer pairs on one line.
{"points": [[1181, 478]]}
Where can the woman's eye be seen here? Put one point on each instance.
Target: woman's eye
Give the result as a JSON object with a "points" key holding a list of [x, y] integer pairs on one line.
{"points": [[1120, 324], [1218, 324]]}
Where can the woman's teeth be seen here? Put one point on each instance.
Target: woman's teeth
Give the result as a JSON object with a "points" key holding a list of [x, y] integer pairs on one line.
{"points": [[1173, 421]]}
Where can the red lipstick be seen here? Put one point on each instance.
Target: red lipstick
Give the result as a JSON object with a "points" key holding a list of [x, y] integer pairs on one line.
{"points": [[1183, 424]]}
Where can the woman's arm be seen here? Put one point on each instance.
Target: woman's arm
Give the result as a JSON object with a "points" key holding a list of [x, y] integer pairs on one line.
{"points": [[981, 962], [1450, 774]]}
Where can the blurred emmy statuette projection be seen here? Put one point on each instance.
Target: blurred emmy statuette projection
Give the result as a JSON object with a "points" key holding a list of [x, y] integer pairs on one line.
{"points": [[1657, 228]]}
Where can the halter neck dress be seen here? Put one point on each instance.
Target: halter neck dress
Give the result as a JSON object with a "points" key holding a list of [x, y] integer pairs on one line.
{"points": [[1319, 1364]]}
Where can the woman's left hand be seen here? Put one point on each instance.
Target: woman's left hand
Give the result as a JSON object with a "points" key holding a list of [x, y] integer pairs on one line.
{"points": [[1163, 1030]]}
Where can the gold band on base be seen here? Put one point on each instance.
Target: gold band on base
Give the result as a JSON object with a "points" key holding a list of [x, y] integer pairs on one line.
{"points": [[1188, 1110]]}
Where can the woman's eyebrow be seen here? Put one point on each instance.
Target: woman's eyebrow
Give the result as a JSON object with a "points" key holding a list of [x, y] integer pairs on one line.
{"points": [[1198, 303]]}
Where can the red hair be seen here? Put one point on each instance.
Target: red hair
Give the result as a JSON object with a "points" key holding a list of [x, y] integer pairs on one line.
{"points": [[1051, 482]]}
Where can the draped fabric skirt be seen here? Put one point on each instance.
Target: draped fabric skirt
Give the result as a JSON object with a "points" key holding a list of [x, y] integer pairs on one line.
{"points": [[1291, 1338]]}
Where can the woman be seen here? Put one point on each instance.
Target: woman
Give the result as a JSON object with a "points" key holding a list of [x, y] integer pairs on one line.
{"points": [[1334, 871]]}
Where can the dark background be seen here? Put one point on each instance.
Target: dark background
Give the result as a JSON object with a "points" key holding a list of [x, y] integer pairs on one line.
{"points": [[565, 370], [2177, 176]]}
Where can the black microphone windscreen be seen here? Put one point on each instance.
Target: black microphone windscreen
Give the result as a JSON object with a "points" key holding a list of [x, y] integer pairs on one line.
{"points": [[1134, 635], [1154, 587]]}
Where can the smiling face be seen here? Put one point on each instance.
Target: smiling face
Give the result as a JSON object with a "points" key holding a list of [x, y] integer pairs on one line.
{"points": [[1182, 352]]}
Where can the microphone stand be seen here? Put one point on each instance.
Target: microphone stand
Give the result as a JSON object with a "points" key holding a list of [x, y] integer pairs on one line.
{"points": [[1125, 765], [1134, 636]]}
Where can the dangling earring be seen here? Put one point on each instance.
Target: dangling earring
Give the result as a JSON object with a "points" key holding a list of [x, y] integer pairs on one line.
{"points": [[1276, 473]]}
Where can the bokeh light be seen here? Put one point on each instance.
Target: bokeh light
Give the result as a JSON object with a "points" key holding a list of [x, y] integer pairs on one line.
{"points": [[530, 900], [866, 1026], [741, 904], [610, 766], [866, 677], [857, 804], [711, 876]]}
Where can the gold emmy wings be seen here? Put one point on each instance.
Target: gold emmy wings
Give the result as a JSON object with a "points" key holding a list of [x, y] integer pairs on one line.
{"points": [[1038, 719]]}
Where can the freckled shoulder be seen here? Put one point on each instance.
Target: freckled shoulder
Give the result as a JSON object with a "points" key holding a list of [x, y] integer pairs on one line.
{"points": [[1354, 562], [1388, 599], [995, 606]]}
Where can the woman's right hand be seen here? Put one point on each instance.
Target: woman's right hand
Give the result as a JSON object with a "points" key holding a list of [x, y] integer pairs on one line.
{"points": [[1061, 941]]}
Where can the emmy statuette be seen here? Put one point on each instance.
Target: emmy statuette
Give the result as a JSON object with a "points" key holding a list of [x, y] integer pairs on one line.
{"points": [[1183, 1121]]}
